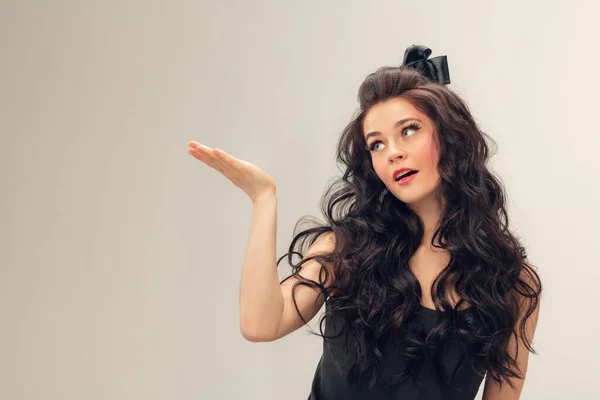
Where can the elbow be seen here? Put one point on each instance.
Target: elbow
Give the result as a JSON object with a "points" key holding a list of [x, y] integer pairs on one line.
{"points": [[254, 336], [254, 330]]}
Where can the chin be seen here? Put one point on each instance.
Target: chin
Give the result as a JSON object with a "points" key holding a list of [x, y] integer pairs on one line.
{"points": [[415, 198]]}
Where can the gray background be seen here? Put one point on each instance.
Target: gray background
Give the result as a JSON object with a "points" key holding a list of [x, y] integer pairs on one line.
{"points": [[121, 253]]}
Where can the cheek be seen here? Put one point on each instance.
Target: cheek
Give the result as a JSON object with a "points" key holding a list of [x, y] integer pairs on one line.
{"points": [[430, 158], [381, 169]]}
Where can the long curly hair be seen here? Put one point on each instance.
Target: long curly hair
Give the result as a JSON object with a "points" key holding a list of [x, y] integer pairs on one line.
{"points": [[376, 234]]}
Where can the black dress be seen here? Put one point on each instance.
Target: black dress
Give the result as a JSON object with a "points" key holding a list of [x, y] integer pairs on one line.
{"points": [[329, 383]]}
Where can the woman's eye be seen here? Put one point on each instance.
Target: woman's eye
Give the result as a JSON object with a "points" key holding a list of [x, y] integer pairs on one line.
{"points": [[412, 127], [372, 147]]}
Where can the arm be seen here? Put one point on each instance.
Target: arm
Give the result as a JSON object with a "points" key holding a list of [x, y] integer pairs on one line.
{"points": [[261, 301], [267, 310], [309, 300], [492, 390]]}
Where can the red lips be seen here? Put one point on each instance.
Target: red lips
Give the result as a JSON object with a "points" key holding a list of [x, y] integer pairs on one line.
{"points": [[400, 171]]}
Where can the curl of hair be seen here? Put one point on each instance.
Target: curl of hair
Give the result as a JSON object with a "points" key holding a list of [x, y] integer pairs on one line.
{"points": [[376, 234]]}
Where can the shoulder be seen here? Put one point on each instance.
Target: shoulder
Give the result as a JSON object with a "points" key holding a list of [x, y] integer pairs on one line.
{"points": [[528, 292], [530, 279], [324, 244]]}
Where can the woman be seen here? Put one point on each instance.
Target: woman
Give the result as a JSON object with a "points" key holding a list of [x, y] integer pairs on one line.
{"points": [[427, 291]]}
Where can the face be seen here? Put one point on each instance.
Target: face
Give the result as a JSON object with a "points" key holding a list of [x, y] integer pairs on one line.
{"points": [[409, 144]]}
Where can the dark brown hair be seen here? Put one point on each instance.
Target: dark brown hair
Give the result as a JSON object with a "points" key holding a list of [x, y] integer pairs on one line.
{"points": [[376, 234]]}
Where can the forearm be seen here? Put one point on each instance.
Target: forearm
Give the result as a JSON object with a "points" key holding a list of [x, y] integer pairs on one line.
{"points": [[261, 300]]}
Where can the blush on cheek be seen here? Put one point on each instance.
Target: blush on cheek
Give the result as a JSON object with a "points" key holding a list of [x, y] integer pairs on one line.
{"points": [[432, 156], [427, 164]]}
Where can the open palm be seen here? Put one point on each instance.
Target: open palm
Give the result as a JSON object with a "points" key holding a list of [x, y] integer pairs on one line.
{"points": [[247, 176]]}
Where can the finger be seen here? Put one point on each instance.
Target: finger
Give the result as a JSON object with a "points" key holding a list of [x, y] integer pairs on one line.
{"points": [[232, 167], [227, 159], [216, 158], [206, 151], [199, 147], [227, 162], [208, 158]]}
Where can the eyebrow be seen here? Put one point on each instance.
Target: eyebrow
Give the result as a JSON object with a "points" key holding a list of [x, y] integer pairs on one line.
{"points": [[397, 124]]}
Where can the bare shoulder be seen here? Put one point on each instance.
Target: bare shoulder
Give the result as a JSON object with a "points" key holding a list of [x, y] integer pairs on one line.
{"points": [[531, 279], [323, 245], [529, 292], [528, 271], [302, 301]]}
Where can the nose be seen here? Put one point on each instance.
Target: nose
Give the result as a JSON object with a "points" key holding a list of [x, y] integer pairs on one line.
{"points": [[395, 154]]}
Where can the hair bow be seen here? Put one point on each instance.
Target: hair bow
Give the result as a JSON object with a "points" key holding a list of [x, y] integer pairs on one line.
{"points": [[436, 69]]}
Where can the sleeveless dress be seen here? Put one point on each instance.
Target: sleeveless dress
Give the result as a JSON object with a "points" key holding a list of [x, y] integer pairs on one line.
{"points": [[329, 383]]}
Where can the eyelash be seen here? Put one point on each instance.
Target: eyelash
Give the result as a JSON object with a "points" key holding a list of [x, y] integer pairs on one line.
{"points": [[414, 126]]}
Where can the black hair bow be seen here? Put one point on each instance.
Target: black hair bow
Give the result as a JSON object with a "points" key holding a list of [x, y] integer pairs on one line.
{"points": [[436, 69]]}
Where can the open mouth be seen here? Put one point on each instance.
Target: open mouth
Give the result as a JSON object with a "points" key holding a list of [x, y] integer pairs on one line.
{"points": [[405, 175]]}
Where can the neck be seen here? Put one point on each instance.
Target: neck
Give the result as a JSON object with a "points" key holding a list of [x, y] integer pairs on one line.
{"points": [[430, 211]]}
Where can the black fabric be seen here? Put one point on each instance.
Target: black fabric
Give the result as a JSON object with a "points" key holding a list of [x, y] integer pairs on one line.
{"points": [[329, 382]]}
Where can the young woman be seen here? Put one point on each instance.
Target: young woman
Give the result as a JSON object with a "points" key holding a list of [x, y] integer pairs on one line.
{"points": [[426, 289]]}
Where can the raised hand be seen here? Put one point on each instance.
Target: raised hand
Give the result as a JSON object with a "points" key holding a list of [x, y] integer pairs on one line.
{"points": [[248, 177]]}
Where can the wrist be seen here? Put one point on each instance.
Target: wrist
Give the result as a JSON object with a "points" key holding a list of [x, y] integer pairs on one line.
{"points": [[266, 196]]}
